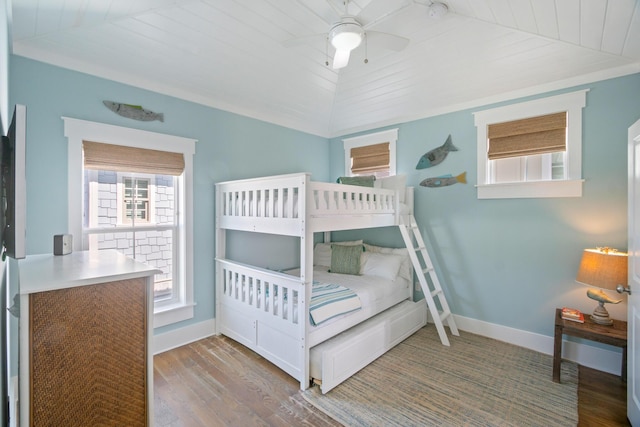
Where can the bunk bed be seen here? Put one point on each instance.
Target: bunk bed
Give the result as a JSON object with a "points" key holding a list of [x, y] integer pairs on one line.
{"points": [[269, 311]]}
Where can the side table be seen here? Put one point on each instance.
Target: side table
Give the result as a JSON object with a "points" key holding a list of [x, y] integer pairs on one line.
{"points": [[615, 335]]}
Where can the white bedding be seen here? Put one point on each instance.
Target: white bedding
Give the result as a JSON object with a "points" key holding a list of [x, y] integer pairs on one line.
{"points": [[376, 294]]}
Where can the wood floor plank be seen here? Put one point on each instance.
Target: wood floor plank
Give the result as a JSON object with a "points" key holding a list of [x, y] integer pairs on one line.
{"points": [[218, 382]]}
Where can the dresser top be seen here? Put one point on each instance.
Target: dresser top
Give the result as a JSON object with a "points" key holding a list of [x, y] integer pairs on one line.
{"points": [[39, 273]]}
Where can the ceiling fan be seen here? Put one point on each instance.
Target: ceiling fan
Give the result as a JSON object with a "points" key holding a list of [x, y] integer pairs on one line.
{"points": [[347, 34]]}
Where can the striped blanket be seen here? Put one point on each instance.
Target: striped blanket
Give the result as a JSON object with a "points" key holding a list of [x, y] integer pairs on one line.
{"points": [[329, 300]]}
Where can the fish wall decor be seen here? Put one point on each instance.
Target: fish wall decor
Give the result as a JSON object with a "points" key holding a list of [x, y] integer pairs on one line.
{"points": [[135, 112], [444, 180], [437, 155]]}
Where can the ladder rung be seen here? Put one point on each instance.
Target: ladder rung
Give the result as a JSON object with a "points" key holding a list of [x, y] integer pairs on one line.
{"points": [[436, 292], [419, 248], [444, 315], [427, 270]]}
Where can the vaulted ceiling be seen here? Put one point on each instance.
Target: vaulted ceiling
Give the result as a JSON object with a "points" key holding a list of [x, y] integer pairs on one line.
{"points": [[236, 55]]}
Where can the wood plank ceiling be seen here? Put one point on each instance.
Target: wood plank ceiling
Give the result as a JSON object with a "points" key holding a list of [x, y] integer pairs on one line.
{"points": [[229, 54]]}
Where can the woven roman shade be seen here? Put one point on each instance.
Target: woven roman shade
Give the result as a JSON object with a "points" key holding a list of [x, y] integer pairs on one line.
{"points": [[130, 159], [526, 137], [370, 158]]}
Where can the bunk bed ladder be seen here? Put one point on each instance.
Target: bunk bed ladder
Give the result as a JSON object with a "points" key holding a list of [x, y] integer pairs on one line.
{"points": [[432, 291]]}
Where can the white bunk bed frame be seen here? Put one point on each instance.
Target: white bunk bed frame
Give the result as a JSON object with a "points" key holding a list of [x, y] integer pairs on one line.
{"points": [[290, 205]]}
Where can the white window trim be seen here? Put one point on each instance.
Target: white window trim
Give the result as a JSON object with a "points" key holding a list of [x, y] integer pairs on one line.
{"points": [[78, 130], [390, 136], [572, 103]]}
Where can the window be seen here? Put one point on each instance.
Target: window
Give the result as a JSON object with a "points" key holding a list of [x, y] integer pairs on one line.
{"points": [[132, 192], [531, 149], [134, 200], [373, 154]]}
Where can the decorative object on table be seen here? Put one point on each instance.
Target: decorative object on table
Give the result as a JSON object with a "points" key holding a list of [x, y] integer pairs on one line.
{"points": [[135, 112], [572, 314], [604, 268], [444, 180], [437, 155], [62, 244]]}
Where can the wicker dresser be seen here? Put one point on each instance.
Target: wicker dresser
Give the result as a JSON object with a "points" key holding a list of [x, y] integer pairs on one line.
{"points": [[85, 336]]}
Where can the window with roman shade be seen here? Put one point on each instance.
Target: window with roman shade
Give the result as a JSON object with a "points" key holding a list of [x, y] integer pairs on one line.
{"points": [[370, 159], [531, 149], [371, 154], [131, 206], [131, 190], [528, 137]]}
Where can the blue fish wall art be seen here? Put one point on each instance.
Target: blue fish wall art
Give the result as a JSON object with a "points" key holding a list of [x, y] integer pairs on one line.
{"points": [[135, 112], [444, 180], [437, 155]]}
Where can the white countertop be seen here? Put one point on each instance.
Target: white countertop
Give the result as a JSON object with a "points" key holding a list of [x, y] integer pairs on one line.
{"points": [[40, 273]]}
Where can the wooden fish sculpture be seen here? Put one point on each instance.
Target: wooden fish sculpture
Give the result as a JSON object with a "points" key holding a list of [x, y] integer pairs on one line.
{"points": [[437, 155], [444, 180], [135, 112]]}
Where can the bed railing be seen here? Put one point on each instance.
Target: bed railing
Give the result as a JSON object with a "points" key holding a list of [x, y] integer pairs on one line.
{"points": [[274, 293], [340, 199], [263, 309], [272, 205], [281, 204]]}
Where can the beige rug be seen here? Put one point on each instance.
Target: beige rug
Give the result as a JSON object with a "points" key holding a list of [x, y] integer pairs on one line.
{"points": [[475, 382]]}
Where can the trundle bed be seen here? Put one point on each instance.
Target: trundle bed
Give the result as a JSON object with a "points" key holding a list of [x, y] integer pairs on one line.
{"points": [[286, 316]]}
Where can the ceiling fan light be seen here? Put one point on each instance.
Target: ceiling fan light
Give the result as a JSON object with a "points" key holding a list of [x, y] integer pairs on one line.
{"points": [[346, 36]]}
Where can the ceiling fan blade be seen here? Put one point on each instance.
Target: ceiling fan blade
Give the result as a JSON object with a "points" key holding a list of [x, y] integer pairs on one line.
{"points": [[387, 41], [341, 58]]}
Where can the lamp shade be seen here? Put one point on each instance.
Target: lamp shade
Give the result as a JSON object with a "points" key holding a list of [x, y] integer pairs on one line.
{"points": [[603, 268]]}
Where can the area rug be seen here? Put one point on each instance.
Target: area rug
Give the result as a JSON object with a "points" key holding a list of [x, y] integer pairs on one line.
{"points": [[476, 381]]}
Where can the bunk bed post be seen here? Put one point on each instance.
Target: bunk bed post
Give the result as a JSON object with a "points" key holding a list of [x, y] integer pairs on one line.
{"points": [[220, 253], [306, 275]]}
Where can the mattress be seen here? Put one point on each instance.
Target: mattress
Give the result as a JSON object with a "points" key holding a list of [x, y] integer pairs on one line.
{"points": [[376, 295]]}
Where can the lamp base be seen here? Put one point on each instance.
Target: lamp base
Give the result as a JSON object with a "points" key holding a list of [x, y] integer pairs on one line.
{"points": [[601, 316]]}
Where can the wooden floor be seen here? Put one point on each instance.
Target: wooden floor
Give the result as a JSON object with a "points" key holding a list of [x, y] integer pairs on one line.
{"points": [[207, 383]]}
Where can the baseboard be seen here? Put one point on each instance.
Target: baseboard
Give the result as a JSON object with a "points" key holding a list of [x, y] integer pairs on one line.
{"points": [[583, 354], [14, 402], [183, 336]]}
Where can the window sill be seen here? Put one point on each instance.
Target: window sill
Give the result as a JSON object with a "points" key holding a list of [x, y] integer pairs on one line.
{"points": [[169, 314], [528, 190]]}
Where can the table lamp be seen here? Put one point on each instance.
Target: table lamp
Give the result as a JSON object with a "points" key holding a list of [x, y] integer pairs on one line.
{"points": [[604, 268]]}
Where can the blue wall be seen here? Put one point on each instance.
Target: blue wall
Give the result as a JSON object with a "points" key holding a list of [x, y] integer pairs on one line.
{"points": [[509, 262], [512, 261], [229, 147]]}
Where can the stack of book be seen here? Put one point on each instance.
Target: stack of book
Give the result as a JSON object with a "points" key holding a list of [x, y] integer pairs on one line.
{"points": [[572, 314]]}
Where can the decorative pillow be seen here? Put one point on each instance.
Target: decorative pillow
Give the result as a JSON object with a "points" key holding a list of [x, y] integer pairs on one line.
{"points": [[406, 270], [381, 265], [345, 259], [322, 252], [363, 181]]}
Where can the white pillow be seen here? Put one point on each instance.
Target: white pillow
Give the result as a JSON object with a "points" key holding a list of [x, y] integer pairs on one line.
{"points": [[406, 270], [381, 265], [322, 252]]}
